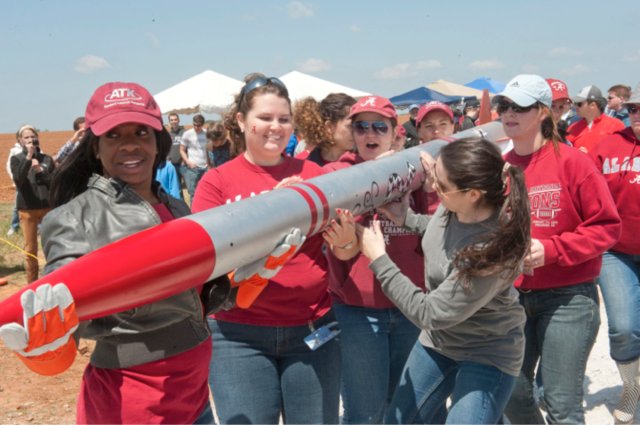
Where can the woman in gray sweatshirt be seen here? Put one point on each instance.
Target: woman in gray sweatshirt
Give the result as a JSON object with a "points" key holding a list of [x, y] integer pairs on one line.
{"points": [[471, 345]]}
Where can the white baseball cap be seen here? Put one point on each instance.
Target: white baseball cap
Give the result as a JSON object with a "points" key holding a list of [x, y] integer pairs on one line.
{"points": [[527, 89]]}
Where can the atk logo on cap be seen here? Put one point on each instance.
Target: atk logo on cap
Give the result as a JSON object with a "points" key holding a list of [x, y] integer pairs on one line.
{"points": [[558, 86], [120, 94], [368, 101]]}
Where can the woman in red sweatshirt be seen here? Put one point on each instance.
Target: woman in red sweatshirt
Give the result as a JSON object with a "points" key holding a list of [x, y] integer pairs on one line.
{"points": [[573, 221], [617, 156]]}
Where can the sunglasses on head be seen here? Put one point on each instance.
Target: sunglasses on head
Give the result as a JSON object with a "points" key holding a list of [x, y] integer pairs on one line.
{"points": [[504, 105], [257, 82], [361, 127]]}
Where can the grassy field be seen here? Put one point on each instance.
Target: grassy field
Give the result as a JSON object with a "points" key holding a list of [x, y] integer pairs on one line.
{"points": [[11, 256]]}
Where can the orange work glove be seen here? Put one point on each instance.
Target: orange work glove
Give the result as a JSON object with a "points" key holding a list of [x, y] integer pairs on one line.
{"points": [[253, 278], [44, 342]]}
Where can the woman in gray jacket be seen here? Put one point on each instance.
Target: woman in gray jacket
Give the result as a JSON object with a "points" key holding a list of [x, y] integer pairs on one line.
{"points": [[472, 343]]}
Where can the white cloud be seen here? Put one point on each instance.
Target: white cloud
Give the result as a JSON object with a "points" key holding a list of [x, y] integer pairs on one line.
{"points": [[396, 72], [559, 52], [529, 68], [298, 10], [90, 63], [428, 64], [486, 64], [312, 65], [153, 40], [355, 28], [575, 70]]}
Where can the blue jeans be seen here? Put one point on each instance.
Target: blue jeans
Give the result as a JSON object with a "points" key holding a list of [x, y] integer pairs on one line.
{"points": [[260, 372], [15, 218], [191, 178], [561, 327], [479, 392], [206, 416], [375, 345], [620, 285]]}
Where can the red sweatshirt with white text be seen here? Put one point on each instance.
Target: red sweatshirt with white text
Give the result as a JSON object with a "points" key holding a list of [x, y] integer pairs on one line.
{"points": [[572, 214], [617, 156]]}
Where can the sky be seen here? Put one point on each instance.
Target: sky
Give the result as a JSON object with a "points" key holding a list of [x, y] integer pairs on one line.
{"points": [[56, 53]]}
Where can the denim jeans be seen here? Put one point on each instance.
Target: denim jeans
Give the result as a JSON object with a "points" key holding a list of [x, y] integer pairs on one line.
{"points": [[620, 285], [206, 416], [375, 345], [479, 392], [15, 218], [561, 327], [191, 178], [260, 372]]}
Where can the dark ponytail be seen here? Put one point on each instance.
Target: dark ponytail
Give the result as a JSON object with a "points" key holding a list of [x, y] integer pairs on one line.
{"points": [[479, 165]]}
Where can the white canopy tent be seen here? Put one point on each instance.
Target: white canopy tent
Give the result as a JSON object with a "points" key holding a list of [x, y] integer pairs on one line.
{"points": [[207, 92], [302, 85]]}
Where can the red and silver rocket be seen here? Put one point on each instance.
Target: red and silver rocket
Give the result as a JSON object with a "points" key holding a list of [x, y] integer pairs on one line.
{"points": [[185, 253]]}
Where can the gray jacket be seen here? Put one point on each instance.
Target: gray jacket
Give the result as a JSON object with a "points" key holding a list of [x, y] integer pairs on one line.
{"points": [[483, 324], [106, 212]]}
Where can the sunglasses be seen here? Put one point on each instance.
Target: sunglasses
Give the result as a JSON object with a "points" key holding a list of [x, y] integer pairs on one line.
{"points": [[258, 82], [361, 127], [503, 106], [444, 193], [633, 109]]}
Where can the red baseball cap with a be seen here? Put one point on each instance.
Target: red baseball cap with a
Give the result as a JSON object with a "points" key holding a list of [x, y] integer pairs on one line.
{"points": [[559, 89], [378, 104], [434, 105], [117, 103]]}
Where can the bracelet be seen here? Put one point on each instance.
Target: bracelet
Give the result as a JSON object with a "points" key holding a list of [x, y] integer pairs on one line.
{"points": [[347, 246]]}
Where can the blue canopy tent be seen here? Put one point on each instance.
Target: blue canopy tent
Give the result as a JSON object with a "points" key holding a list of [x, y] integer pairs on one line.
{"points": [[422, 95], [482, 83]]}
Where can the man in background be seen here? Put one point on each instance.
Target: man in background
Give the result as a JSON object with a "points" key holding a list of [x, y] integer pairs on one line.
{"points": [[410, 127], [618, 95], [594, 123], [67, 148]]}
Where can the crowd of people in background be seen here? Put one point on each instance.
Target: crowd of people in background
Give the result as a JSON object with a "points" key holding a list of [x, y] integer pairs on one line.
{"points": [[473, 299]]}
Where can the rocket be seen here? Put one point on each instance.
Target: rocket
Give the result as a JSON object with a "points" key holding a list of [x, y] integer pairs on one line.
{"points": [[184, 253]]}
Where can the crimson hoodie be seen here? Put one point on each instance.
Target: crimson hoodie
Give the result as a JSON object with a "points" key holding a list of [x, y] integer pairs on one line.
{"points": [[352, 282], [618, 157], [572, 214], [582, 136]]}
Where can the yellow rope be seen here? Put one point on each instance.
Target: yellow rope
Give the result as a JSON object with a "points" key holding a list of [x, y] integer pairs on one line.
{"points": [[19, 249]]}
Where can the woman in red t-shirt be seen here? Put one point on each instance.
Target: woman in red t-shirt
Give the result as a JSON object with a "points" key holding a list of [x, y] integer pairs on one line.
{"points": [[261, 366]]}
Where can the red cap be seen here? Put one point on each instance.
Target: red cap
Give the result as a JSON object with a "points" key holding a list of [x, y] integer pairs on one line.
{"points": [[401, 131], [434, 105], [117, 103], [558, 89], [378, 104]]}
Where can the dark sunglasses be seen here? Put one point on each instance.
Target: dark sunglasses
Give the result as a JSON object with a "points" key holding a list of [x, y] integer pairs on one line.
{"points": [[503, 106], [259, 82], [578, 104], [633, 109], [361, 127]]}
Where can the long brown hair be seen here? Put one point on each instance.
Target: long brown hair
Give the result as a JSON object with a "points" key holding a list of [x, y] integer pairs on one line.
{"points": [[479, 165]]}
